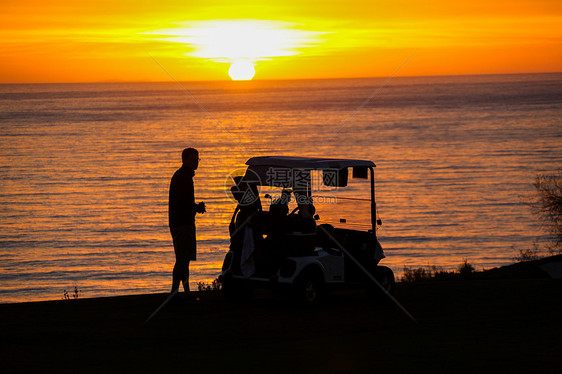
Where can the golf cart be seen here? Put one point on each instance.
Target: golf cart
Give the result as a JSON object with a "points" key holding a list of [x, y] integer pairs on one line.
{"points": [[304, 225]]}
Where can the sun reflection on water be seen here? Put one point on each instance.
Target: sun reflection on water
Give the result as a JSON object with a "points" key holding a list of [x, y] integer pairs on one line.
{"points": [[84, 198]]}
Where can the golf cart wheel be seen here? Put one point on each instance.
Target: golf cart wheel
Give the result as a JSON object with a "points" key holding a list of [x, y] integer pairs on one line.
{"points": [[385, 279], [310, 288], [236, 290]]}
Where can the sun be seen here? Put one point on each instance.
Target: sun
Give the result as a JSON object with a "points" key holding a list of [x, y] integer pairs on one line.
{"points": [[241, 43], [241, 70]]}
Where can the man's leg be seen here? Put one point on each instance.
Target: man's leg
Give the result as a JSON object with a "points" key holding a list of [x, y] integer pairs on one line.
{"points": [[178, 275], [191, 253], [175, 278], [185, 250], [185, 279], [179, 272]]}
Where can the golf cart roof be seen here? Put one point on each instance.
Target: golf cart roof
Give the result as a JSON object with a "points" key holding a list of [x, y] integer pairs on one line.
{"points": [[307, 162]]}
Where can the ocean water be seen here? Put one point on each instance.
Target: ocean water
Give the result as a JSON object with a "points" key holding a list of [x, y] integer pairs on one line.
{"points": [[85, 169]]}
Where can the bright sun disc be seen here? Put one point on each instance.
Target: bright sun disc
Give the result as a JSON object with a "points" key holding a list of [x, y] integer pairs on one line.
{"points": [[240, 43], [241, 70]]}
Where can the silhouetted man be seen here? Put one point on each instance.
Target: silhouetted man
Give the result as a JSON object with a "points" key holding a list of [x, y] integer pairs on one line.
{"points": [[182, 210]]}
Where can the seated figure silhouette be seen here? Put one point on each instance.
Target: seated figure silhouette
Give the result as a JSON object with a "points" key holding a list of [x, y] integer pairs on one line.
{"points": [[304, 222], [243, 236], [274, 248]]}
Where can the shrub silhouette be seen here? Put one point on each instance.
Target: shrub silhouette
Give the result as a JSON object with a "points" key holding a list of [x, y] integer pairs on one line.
{"points": [[548, 205]]}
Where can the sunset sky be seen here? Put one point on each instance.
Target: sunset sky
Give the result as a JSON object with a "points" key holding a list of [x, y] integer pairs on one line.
{"points": [[125, 40]]}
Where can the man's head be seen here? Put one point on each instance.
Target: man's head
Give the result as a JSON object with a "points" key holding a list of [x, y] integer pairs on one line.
{"points": [[190, 158]]}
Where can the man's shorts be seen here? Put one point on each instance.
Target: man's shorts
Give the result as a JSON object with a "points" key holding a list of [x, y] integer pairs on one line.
{"points": [[185, 244]]}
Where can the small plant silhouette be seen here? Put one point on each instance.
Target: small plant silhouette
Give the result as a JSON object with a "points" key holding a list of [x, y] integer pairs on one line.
{"points": [[529, 254], [423, 274], [466, 268], [74, 295]]}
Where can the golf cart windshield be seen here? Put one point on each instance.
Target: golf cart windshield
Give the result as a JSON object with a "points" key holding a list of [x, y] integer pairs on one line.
{"points": [[338, 192]]}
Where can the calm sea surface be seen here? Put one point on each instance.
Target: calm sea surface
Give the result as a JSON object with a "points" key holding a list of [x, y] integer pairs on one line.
{"points": [[85, 169]]}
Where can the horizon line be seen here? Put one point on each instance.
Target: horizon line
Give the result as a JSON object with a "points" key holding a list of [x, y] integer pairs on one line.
{"points": [[287, 79]]}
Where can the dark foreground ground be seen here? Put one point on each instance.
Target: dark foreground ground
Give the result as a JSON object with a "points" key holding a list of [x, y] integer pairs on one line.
{"points": [[463, 326]]}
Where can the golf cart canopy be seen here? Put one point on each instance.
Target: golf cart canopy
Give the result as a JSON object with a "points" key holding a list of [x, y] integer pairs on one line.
{"points": [[290, 172], [311, 163]]}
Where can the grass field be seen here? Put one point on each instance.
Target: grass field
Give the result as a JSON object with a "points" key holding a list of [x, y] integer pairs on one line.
{"points": [[462, 326]]}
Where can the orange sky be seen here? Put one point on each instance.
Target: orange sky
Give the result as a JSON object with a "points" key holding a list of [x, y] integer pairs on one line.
{"points": [[125, 40]]}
